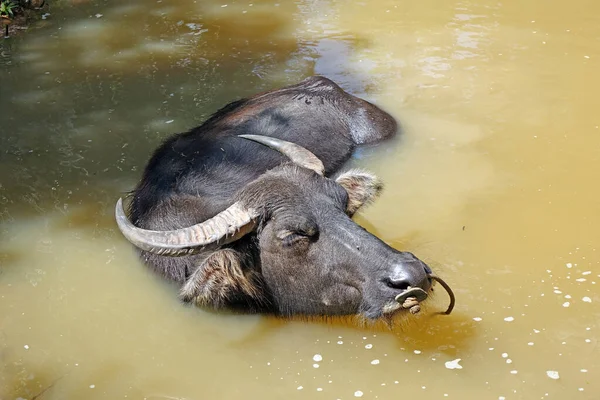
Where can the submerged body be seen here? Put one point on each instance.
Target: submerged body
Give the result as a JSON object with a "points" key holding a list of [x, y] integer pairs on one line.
{"points": [[283, 240]]}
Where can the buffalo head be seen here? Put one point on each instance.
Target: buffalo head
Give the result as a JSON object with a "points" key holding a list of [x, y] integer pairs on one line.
{"points": [[288, 245]]}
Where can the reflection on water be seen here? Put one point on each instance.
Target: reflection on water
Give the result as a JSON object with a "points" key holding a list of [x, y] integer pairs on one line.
{"points": [[492, 182]]}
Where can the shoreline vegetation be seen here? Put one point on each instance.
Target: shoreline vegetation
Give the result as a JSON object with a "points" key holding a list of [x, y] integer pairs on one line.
{"points": [[18, 15]]}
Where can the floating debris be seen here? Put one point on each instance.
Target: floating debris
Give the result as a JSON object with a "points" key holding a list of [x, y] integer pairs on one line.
{"points": [[454, 364], [552, 374]]}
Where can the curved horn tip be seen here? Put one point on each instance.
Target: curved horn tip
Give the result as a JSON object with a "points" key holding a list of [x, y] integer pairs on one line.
{"points": [[296, 153], [119, 210]]}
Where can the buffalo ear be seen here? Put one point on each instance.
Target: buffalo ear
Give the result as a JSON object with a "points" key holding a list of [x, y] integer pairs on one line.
{"points": [[362, 187], [220, 280]]}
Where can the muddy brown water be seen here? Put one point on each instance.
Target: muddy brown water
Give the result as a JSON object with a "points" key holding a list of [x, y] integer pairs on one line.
{"points": [[494, 182]]}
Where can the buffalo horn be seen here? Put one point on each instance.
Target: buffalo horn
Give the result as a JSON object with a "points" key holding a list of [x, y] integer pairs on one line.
{"points": [[298, 154], [227, 226]]}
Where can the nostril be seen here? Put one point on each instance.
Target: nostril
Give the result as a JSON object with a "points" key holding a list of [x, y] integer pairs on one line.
{"points": [[398, 284]]}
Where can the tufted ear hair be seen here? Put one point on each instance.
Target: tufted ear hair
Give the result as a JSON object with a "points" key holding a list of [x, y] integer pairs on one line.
{"points": [[221, 280], [362, 187]]}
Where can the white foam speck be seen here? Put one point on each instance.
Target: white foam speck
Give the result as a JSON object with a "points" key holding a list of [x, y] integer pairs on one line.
{"points": [[340, 342], [587, 299], [477, 319], [26, 347], [368, 346], [569, 265], [417, 351], [317, 358], [169, 121], [580, 280], [508, 361], [92, 386], [586, 272], [583, 370], [509, 319], [300, 387], [454, 364], [358, 393], [566, 304], [552, 374], [557, 292], [504, 355], [536, 331], [530, 344], [514, 372], [315, 365], [375, 362], [319, 389]]}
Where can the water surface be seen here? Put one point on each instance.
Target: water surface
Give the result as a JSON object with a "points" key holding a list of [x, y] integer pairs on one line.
{"points": [[493, 181]]}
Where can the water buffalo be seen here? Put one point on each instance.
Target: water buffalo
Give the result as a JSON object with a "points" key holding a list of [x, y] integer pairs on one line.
{"points": [[244, 214]]}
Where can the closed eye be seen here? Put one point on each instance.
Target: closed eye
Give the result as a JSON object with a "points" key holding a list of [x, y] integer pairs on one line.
{"points": [[289, 237]]}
